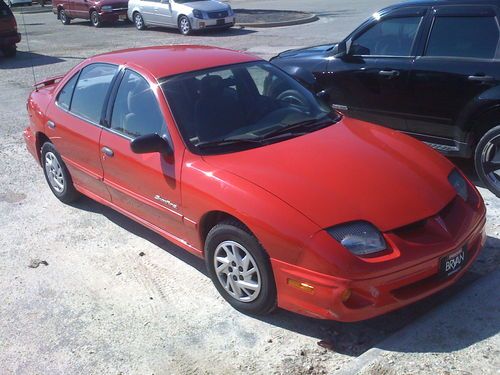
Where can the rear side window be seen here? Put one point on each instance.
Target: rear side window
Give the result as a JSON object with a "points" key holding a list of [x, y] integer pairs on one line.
{"points": [[4, 10], [90, 91], [64, 97], [391, 37], [136, 111], [474, 37]]}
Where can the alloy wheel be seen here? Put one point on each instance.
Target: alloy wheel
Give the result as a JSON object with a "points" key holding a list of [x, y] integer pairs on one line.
{"points": [[184, 25], [139, 23], [490, 160], [54, 172], [237, 271]]}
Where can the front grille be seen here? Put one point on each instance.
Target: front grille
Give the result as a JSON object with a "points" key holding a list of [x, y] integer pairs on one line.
{"points": [[222, 14]]}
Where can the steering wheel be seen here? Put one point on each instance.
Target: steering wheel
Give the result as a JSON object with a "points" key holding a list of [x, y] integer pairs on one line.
{"points": [[293, 97]]}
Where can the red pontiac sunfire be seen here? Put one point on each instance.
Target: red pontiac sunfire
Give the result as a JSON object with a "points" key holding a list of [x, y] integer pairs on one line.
{"points": [[290, 203]]}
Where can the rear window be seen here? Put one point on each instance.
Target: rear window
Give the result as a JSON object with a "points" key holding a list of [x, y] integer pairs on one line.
{"points": [[474, 37]]}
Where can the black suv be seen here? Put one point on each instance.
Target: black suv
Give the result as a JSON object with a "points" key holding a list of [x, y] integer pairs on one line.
{"points": [[8, 31], [427, 68]]}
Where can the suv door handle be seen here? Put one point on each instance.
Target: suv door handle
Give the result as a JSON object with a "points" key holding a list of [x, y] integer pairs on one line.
{"points": [[481, 78], [107, 151], [389, 73]]}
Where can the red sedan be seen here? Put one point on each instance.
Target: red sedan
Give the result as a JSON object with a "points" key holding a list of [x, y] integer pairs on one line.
{"points": [[290, 203]]}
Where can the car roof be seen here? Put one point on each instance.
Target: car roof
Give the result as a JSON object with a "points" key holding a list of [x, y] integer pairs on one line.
{"points": [[164, 61], [442, 2]]}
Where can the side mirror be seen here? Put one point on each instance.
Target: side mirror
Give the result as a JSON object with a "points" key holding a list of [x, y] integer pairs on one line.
{"points": [[149, 143], [341, 49]]}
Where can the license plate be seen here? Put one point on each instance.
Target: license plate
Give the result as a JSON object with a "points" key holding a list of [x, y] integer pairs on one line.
{"points": [[221, 22], [122, 17], [453, 263]]}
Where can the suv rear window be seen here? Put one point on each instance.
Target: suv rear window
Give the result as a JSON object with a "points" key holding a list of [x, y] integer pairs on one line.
{"points": [[475, 37]]}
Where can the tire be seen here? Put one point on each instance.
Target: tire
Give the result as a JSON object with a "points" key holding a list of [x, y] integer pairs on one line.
{"points": [[139, 21], [487, 160], [65, 20], [10, 51], [57, 175], [184, 25], [223, 241], [95, 20]]}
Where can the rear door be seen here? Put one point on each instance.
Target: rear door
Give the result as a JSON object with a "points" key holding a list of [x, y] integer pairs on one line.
{"points": [[79, 8], [149, 14], [75, 123], [162, 13], [145, 185], [457, 65], [372, 80]]}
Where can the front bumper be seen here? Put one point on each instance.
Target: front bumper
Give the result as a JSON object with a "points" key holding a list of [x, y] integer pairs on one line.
{"points": [[201, 24], [9, 40], [377, 294], [113, 16]]}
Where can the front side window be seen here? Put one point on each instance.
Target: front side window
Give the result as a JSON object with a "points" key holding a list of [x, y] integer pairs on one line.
{"points": [[136, 111], [391, 37], [474, 37], [240, 106], [90, 91], [65, 95]]}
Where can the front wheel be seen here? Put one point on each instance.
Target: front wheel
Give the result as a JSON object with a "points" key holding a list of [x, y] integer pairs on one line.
{"points": [[184, 25], [487, 160], [240, 269], [139, 21], [57, 175], [65, 20], [95, 19]]}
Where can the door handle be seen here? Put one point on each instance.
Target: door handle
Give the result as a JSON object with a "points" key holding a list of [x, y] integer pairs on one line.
{"points": [[481, 78], [389, 73], [51, 124], [107, 151]]}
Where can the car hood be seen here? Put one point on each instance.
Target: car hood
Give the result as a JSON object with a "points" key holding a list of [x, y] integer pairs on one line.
{"points": [[309, 51], [206, 6], [349, 171]]}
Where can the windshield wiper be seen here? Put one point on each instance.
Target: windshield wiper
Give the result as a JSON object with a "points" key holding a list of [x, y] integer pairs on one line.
{"points": [[298, 125], [226, 142]]}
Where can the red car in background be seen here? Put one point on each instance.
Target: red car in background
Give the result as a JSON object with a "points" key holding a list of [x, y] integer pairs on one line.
{"points": [[97, 11], [290, 203], [9, 36]]}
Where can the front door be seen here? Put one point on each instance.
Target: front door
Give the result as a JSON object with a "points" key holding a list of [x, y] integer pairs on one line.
{"points": [[372, 79], [74, 125], [147, 186], [457, 65]]}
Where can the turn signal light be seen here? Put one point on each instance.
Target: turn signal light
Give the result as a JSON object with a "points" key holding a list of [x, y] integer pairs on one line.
{"points": [[302, 286]]}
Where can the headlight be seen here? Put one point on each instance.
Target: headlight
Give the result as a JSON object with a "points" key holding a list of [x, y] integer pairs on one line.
{"points": [[198, 13], [107, 8], [459, 184], [360, 238]]}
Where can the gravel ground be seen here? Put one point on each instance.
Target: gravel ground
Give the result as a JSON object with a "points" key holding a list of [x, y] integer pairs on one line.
{"points": [[76, 295]]}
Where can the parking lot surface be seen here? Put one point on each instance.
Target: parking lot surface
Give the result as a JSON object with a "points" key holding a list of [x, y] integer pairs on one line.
{"points": [[86, 290]]}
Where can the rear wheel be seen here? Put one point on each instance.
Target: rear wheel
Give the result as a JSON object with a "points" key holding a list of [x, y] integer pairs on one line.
{"points": [[65, 20], [240, 268], [487, 160], [9, 51], [95, 19], [57, 174], [139, 21], [184, 25]]}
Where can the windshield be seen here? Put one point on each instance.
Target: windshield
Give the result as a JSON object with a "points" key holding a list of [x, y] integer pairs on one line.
{"points": [[240, 106]]}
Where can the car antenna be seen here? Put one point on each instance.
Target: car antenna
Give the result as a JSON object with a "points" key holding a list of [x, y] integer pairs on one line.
{"points": [[29, 49]]}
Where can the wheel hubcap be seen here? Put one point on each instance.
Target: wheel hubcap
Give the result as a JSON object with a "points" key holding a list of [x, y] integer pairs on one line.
{"points": [[54, 172], [138, 21], [490, 159], [185, 25], [237, 271], [95, 19]]}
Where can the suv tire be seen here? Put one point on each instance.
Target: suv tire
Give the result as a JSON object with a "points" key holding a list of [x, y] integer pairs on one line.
{"points": [[65, 20], [95, 19], [487, 160]]}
